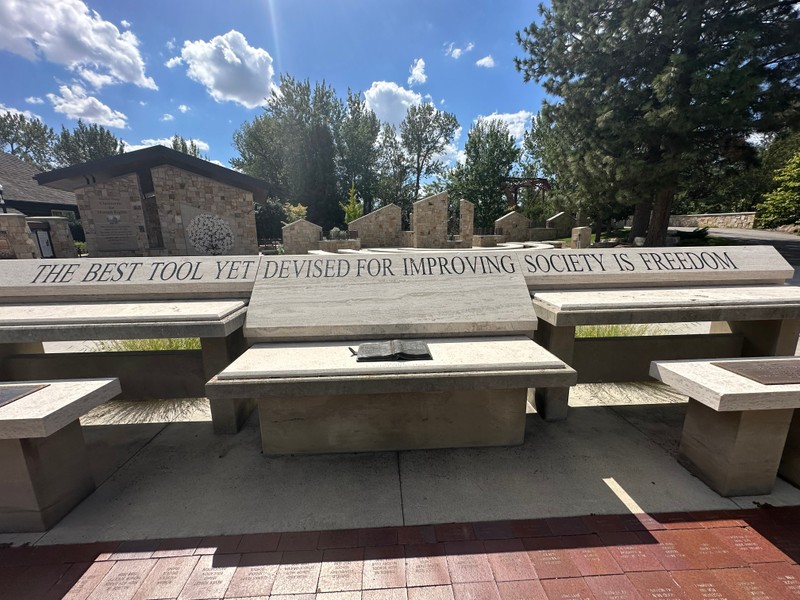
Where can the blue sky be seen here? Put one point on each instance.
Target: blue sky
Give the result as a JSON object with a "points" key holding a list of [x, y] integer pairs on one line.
{"points": [[200, 68]]}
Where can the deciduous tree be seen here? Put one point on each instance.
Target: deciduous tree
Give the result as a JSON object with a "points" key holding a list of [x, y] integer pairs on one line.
{"points": [[85, 143]]}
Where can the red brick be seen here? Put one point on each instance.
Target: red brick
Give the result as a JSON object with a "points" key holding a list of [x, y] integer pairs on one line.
{"points": [[438, 592], [784, 577], [549, 558], [567, 526], [177, 547], [454, 532], [383, 536], [481, 590], [702, 585], [612, 587], [521, 590], [352, 595], [493, 530], [122, 580], [629, 552], [676, 520], [133, 550], [750, 583], [708, 549], [218, 544], [749, 545], [34, 581], [73, 574], [426, 565], [385, 594], [340, 538], [384, 567], [298, 541], [290, 597], [258, 542], [95, 552], [641, 522], [509, 560], [167, 578], [656, 586], [669, 553], [210, 577], [567, 589], [531, 528], [605, 523], [298, 573], [589, 555], [89, 581], [254, 575], [785, 539], [341, 570], [467, 562], [711, 519], [420, 534]]}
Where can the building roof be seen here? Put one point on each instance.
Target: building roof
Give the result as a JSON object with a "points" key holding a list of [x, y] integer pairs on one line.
{"points": [[95, 171], [17, 178]]}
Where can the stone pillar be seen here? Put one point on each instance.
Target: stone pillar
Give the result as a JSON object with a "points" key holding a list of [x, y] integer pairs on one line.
{"points": [[581, 237], [466, 224], [60, 237], [17, 235], [429, 221]]}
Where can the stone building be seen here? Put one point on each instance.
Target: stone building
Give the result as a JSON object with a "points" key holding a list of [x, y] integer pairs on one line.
{"points": [[161, 202]]}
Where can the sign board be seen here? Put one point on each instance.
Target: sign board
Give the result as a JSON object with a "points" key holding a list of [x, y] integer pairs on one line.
{"points": [[114, 228]]}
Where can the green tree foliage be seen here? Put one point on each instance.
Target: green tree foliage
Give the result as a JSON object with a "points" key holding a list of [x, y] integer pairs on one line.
{"points": [[782, 205], [394, 172], [358, 150], [269, 215], [490, 156], [85, 143], [353, 209], [181, 144], [28, 139], [424, 133], [294, 212], [653, 90]]}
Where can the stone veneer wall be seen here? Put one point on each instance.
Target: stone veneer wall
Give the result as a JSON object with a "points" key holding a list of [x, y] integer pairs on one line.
{"points": [[514, 227], [60, 237], [124, 188], [175, 187], [429, 222], [380, 228], [336, 245], [486, 241], [540, 234], [466, 224], [743, 220], [14, 228], [300, 236], [406, 239]]}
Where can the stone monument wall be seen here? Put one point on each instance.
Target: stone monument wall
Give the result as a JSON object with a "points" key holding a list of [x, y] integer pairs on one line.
{"points": [[111, 214], [466, 225], [380, 228], [60, 237], [300, 236], [429, 221], [743, 220], [336, 245], [514, 227], [16, 240], [201, 216]]}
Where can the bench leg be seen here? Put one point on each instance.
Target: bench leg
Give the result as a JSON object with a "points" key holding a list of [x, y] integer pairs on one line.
{"points": [[790, 461], [763, 338], [735, 453], [13, 350], [552, 404], [227, 416], [42, 479]]}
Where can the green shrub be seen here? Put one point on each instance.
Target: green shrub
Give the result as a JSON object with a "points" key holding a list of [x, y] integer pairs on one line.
{"points": [[613, 330], [80, 248], [149, 344], [782, 205]]}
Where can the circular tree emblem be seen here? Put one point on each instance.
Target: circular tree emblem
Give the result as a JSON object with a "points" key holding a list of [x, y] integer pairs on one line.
{"points": [[209, 234]]}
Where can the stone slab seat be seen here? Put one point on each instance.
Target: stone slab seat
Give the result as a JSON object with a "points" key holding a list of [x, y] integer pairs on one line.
{"points": [[44, 467], [735, 433], [315, 397]]}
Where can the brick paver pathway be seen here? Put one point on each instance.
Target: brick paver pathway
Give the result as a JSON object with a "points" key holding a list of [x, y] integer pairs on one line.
{"points": [[735, 555]]}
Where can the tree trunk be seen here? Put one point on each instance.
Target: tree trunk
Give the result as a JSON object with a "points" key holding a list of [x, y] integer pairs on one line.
{"points": [[641, 218], [659, 219]]}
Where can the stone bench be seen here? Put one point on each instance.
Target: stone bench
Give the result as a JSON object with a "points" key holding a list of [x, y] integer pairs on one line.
{"points": [[128, 298], [316, 398], [740, 289], [735, 433], [44, 468]]}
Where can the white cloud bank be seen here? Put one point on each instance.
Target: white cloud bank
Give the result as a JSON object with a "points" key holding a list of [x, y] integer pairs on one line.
{"points": [[66, 32], [75, 103], [453, 51], [417, 71], [487, 62], [516, 122], [167, 117], [230, 69], [201, 145], [390, 101], [14, 111]]}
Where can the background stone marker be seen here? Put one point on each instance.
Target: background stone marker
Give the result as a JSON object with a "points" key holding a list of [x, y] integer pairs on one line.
{"points": [[389, 295]]}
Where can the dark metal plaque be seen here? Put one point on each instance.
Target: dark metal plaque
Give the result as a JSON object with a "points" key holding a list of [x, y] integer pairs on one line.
{"points": [[766, 372], [9, 393]]}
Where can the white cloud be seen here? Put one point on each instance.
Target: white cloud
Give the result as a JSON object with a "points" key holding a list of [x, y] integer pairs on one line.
{"points": [[417, 71], [390, 101], [167, 117], [125, 24], [77, 104], [201, 145], [453, 51], [173, 62], [183, 108], [34, 100], [229, 68], [142, 103], [516, 122], [66, 32], [487, 62], [26, 113], [451, 154], [171, 44]]}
